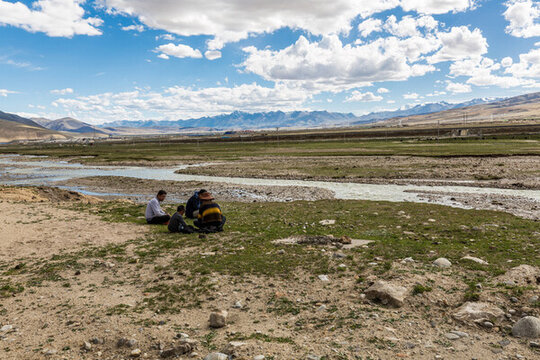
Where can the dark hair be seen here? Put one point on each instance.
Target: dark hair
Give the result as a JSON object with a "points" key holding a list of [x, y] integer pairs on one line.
{"points": [[180, 208], [202, 191], [161, 192]]}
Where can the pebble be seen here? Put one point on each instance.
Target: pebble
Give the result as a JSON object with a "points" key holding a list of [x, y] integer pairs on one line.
{"points": [[259, 357], [135, 353], [313, 357], [6, 328], [535, 345], [443, 263], [339, 255], [216, 356], [475, 259], [237, 305], [49, 352], [324, 278], [87, 346]]}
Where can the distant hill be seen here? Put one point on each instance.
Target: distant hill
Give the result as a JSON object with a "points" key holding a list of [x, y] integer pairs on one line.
{"points": [[70, 125], [421, 109], [13, 131], [523, 107], [242, 120], [18, 119]]}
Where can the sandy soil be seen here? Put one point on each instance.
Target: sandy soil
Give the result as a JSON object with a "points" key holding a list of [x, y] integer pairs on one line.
{"points": [[506, 172]]}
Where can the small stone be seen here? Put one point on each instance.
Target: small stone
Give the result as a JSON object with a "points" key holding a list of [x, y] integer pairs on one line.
{"points": [[126, 342], [504, 342], [475, 259], [97, 341], [313, 357], [471, 311], [259, 357], [443, 263], [527, 327], [49, 352], [487, 324], [322, 308], [408, 260], [534, 299], [281, 252], [135, 353], [514, 299], [461, 334], [218, 319], [339, 255], [534, 345], [451, 336], [237, 305], [327, 222], [324, 278], [87, 346], [6, 328], [216, 356]]}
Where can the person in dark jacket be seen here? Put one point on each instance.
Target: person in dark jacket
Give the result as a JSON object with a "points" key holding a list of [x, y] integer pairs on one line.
{"points": [[210, 218], [177, 223], [193, 204]]}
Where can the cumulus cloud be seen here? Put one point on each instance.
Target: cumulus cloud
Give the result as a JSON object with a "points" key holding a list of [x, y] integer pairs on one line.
{"points": [[179, 51], [457, 88], [411, 96], [369, 26], [62, 91], [358, 96], [329, 65], [138, 28], [409, 26], [460, 43], [507, 61], [523, 17], [528, 66], [183, 102], [212, 54], [233, 20], [5, 92], [383, 90], [58, 18]]}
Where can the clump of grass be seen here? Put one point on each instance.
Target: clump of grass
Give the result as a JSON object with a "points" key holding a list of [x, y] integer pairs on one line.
{"points": [[420, 289], [8, 289], [282, 306]]}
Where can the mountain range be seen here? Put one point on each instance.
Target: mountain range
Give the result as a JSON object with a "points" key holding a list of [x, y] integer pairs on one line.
{"points": [[69, 125]]}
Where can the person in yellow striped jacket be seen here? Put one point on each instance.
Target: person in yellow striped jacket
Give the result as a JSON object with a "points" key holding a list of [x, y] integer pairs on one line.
{"points": [[210, 217]]}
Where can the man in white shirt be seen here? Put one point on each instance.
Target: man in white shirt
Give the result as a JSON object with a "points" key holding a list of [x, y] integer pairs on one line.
{"points": [[154, 214]]}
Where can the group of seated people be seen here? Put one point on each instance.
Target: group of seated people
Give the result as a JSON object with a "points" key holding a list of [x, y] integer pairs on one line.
{"points": [[206, 214]]}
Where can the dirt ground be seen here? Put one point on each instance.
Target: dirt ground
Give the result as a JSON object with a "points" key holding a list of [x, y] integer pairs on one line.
{"points": [[302, 317], [520, 172]]}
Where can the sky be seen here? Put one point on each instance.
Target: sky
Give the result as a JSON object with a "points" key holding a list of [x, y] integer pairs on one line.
{"points": [[105, 60]]}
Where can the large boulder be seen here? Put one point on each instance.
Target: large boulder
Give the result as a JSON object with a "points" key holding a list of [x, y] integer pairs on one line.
{"points": [[443, 263], [387, 293], [218, 319], [527, 327], [478, 311], [522, 275]]}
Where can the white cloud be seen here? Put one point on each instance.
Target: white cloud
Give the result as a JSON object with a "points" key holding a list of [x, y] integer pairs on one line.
{"points": [[437, 6], [409, 26], [457, 88], [183, 102], [411, 96], [138, 28], [369, 26], [436, 93], [59, 18], [528, 66], [523, 17], [383, 90], [507, 61], [167, 37], [358, 96], [212, 54], [233, 20], [460, 43], [329, 65], [62, 91], [5, 92], [179, 51], [163, 56]]}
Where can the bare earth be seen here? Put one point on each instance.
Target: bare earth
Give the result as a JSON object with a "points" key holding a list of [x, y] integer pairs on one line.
{"points": [[52, 321]]}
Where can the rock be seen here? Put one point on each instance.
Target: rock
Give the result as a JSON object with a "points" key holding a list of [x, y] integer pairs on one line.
{"points": [[471, 311], [218, 319], [475, 259], [327, 222], [324, 278], [521, 275], [259, 357], [87, 346], [534, 345], [345, 240], [186, 347], [461, 334], [48, 352], [339, 255], [408, 260], [534, 299], [313, 357], [126, 342], [216, 356], [237, 305], [97, 341], [527, 327], [6, 328], [135, 353], [451, 336], [387, 293], [443, 263]]}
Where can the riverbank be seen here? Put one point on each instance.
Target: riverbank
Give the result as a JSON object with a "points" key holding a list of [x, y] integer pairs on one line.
{"points": [[124, 279]]}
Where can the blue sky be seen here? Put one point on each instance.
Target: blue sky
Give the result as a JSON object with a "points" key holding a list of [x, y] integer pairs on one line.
{"points": [[108, 60]]}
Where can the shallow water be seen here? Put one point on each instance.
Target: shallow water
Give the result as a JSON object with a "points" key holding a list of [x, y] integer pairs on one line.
{"points": [[31, 171]]}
